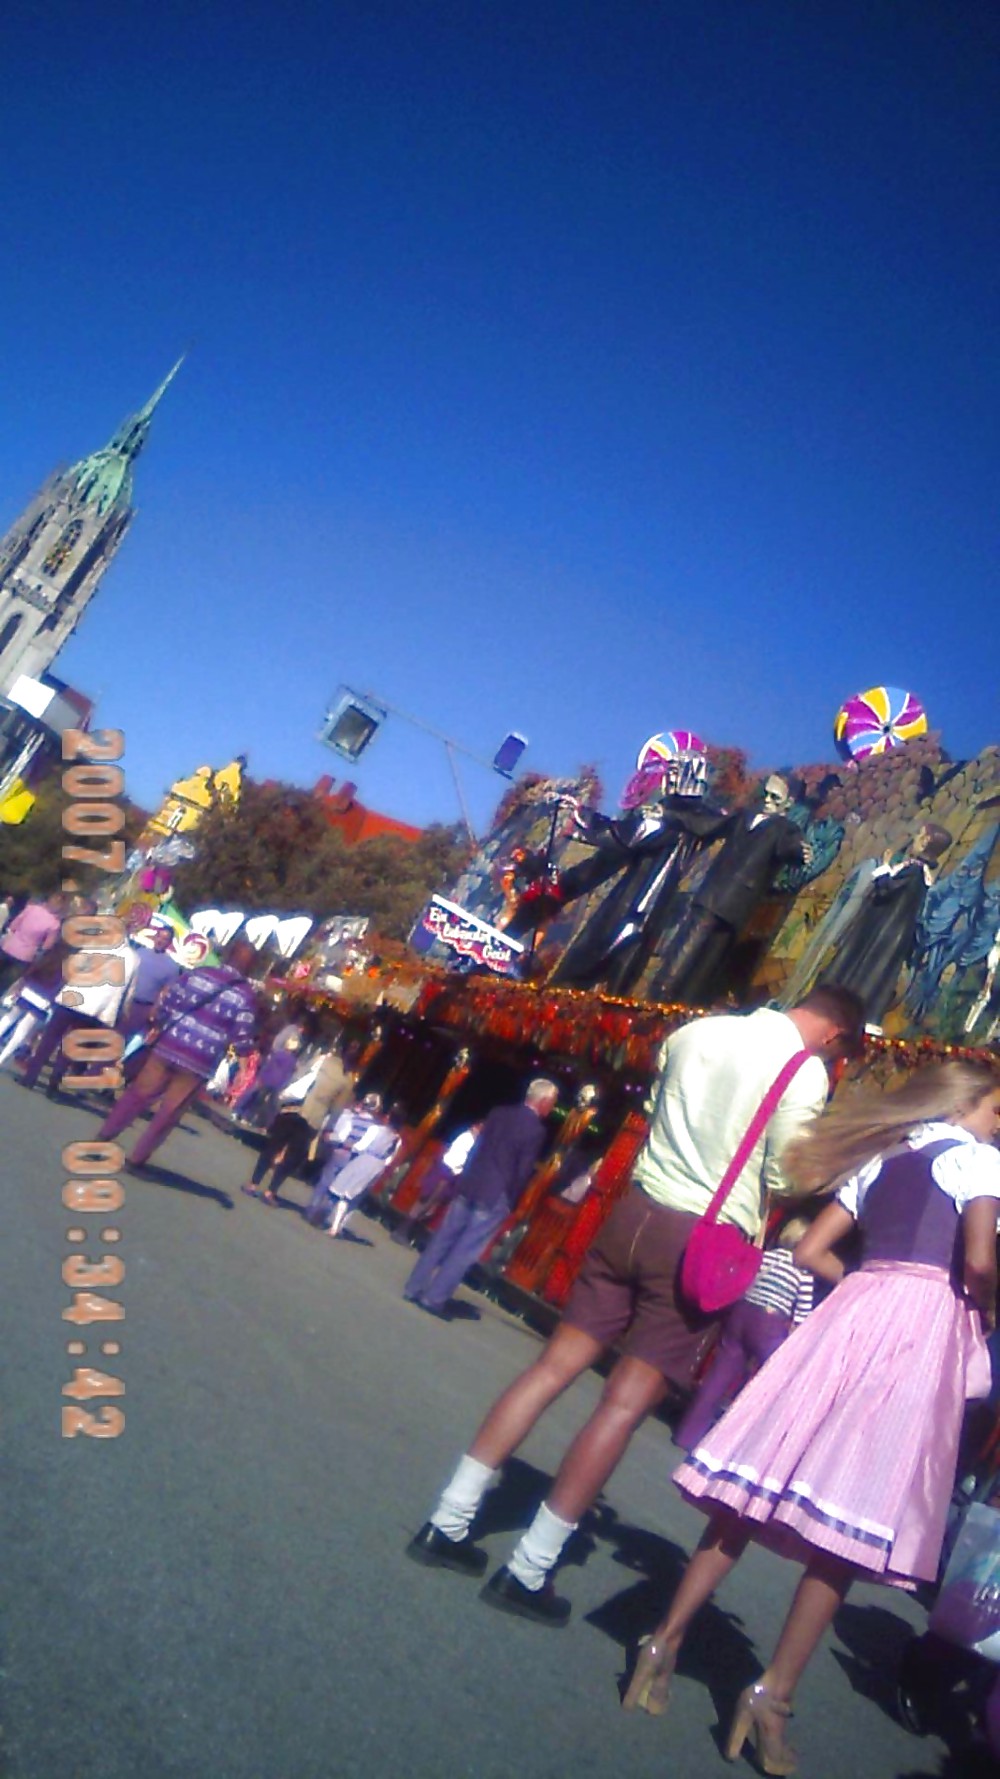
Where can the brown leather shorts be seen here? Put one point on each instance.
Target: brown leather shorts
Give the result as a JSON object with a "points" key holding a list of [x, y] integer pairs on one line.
{"points": [[627, 1293]]}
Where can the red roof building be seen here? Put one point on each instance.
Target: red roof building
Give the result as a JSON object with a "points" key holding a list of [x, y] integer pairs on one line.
{"points": [[354, 820]]}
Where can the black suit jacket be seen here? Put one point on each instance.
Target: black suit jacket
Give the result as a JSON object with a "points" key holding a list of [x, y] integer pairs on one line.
{"points": [[741, 875]]}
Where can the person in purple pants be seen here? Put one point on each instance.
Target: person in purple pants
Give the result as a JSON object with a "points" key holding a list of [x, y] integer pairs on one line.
{"points": [[781, 1296], [199, 1017]]}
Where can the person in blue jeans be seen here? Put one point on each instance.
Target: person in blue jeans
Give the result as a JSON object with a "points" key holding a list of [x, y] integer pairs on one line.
{"points": [[496, 1173]]}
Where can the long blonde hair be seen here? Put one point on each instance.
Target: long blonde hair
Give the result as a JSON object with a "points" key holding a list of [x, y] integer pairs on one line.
{"points": [[845, 1136]]}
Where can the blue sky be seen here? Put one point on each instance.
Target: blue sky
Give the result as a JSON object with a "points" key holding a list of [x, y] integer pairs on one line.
{"points": [[589, 369]]}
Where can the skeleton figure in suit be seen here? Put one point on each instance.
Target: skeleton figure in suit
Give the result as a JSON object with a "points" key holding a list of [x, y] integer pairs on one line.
{"points": [[645, 852], [755, 846]]}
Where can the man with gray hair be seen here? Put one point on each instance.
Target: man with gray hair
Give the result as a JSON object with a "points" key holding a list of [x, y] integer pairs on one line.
{"points": [[495, 1175]]}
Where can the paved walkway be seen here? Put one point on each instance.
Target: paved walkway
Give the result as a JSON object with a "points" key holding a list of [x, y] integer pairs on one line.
{"points": [[221, 1592]]}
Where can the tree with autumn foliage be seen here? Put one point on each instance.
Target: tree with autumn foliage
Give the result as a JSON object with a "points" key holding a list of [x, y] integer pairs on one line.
{"points": [[275, 851], [31, 860]]}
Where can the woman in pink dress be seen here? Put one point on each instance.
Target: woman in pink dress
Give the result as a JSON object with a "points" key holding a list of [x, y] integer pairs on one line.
{"points": [[841, 1452]]}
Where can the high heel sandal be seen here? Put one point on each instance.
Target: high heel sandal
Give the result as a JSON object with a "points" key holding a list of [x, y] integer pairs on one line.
{"points": [[758, 1718], [649, 1688]]}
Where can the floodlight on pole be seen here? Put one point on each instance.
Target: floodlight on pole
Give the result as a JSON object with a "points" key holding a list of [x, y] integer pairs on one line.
{"points": [[354, 719]]}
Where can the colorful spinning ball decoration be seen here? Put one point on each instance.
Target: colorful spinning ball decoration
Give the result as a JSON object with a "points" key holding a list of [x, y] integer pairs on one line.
{"points": [[668, 745], [877, 721], [654, 758]]}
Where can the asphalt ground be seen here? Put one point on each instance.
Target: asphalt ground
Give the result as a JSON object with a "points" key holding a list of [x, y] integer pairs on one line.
{"points": [[222, 1591]]}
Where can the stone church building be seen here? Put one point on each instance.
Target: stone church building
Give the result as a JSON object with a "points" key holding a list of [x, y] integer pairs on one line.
{"points": [[53, 556]]}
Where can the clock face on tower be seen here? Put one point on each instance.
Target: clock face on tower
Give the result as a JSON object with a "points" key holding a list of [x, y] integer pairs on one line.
{"points": [[63, 548]]}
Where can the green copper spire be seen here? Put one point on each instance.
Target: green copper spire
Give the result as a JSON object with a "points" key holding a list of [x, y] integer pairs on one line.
{"points": [[133, 432], [104, 479]]}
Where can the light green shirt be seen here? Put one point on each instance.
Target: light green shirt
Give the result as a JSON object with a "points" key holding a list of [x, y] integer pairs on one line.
{"points": [[714, 1074]]}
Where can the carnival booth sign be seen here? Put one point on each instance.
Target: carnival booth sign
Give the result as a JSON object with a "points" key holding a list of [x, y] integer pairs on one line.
{"points": [[287, 932], [469, 941], [218, 924]]}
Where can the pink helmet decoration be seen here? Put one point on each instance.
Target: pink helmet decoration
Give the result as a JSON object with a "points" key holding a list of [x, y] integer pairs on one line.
{"points": [[669, 745], [877, 721], [675, 756]]}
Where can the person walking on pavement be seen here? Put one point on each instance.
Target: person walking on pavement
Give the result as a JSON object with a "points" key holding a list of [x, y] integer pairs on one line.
{"points": [[355, 1179], [258, 1103], [716, 1075], [29, 1002], [155, 971], [495, 1175], [780, 1298], [342, 1136], [200, 1015], [841, 1453], [440, 1184], [79, 1006], [323, 1088], [28, 935]]}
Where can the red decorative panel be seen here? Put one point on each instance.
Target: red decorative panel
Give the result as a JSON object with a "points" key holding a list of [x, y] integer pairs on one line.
{"points": [[408, 1191], [611, 1184], [529, 1265]]}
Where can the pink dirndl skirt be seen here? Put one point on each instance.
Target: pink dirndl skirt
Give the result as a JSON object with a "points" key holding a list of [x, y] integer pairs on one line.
{"points": [[846, 1440]]}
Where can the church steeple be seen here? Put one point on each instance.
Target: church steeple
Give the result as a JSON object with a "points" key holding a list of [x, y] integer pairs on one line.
{"points": [[133, 432], [53, 557], [105, 477]]}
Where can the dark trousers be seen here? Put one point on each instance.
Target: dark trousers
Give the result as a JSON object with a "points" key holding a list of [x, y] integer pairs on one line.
{"points": [[439, 1188], [751, 1334], [63, 1020], [465, 1232], [289, 1137], [690, 966], [10, 969]]}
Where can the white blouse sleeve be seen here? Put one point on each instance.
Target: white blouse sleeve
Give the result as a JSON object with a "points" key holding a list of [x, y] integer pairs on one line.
{"points": [[968, 1171], [852, 1193]]}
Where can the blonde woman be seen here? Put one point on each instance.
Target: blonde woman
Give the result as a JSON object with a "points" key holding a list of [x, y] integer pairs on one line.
{"points": [[841, 1452]]}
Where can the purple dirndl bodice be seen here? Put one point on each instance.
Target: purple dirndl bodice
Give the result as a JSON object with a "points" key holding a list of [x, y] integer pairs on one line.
{"points": [[905, 1216]]}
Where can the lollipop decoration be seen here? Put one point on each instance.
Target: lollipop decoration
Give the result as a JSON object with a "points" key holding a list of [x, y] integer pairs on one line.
{"points": [[877, 721], [668, 746]]}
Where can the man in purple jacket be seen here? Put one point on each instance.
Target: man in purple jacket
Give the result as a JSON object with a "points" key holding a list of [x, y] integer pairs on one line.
{"points": [[198, 1018], [495, 1175]]}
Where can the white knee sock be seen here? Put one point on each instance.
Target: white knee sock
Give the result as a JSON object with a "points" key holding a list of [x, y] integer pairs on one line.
{"points": [[340, 1216], [20, 1034], [459, 1504], [540, 1548]]}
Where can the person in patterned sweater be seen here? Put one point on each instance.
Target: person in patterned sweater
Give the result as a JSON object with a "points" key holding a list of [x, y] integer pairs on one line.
{"points": [[199, 1018]]}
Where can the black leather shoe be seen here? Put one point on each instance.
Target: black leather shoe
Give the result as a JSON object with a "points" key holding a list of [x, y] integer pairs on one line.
{"points": [[436, 1551], [544, 1605]]}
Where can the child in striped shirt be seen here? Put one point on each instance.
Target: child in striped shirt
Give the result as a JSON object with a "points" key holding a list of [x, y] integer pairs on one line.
{"points": [[780, 1297]]}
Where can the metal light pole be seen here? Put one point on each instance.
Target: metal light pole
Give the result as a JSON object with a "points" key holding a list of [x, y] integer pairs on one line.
{"points": [[359, 715]]}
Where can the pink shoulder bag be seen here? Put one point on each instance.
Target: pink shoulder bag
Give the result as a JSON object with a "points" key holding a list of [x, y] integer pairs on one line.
{"points": [[719, 1262]]}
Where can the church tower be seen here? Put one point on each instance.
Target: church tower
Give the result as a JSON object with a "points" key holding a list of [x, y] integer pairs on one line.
{"points": [[53, 557]]}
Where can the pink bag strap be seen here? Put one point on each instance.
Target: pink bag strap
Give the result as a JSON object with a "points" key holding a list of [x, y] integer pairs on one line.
{"points": [[767, 1106]]}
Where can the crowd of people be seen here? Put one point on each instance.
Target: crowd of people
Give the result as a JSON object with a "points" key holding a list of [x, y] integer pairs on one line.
{"points": [[817, 1281], [186, 1034]]}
